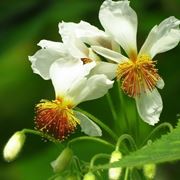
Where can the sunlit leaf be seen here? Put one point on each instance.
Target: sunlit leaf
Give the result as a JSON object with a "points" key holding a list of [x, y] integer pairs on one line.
{"points": [[165, 149]]}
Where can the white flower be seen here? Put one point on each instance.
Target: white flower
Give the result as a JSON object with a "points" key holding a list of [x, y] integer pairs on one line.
{"points": [[72, 84], [137, 72], [43, 59], [75, 36], [14, 146]]}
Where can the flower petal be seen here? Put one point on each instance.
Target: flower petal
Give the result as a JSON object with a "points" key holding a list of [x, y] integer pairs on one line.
{"points": [[109, 69], [120, 21], [109, 54], [88, 126], [56, 46], [74, 45], [43, 59], [88, 89], [149, 106], [66, 71], [162, 38], [160, 84]]}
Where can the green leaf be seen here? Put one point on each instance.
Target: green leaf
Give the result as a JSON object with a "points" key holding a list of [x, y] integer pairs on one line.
{"points": [[165, 149]]}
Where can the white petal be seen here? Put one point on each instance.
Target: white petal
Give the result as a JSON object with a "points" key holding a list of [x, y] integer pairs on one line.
{"points": [[109, 69], [91, 34], [43, 59], [160, 84], [56, 46], [76, 90], [88, 89], [88, 126], [109, 54], [162, 38], [115, 46], [149, 106], [93, 56], [74, 45], [66, 71], [120, 21]]}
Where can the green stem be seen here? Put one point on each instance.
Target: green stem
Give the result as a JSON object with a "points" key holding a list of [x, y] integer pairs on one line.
{"points": [[97, 156], [31, 131], [111, 105], [137, 129], [78, 164], [92, 139], [126, 174], [165, 124], [126, 137], [100, 123], [122, 104]]}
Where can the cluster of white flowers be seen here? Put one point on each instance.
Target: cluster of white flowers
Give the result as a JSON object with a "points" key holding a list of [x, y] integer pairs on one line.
{"points": [[79, 74]]}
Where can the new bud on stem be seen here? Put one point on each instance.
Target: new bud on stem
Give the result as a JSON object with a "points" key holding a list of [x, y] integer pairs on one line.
{"points": [[14, 146], [149, 171], [89, 176], [114, 173], [62, 161], [68, 177]]}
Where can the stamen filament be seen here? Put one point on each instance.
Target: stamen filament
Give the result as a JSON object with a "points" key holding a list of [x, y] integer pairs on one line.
{"points": [[138, 76]]}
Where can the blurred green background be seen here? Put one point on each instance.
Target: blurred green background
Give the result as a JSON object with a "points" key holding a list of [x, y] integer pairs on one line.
{"points": [[22, 25]]}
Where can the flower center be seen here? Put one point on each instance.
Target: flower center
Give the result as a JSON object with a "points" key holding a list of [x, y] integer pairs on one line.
{"points": [[56, 118], [138, 76]]}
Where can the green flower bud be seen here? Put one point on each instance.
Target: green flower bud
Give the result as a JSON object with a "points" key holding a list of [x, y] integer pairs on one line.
{"points": [[89, 176], [59, 178], [14, 146], [149, 170], [63, 160], [114, 173], [68, 177], [72, 177]]}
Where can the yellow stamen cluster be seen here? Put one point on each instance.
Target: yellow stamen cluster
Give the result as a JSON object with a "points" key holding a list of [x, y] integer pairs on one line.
{"points": [[138, 76], [56, 118]]}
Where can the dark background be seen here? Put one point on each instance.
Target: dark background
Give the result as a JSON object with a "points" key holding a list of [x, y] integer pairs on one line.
{"points": [[22, 25]]}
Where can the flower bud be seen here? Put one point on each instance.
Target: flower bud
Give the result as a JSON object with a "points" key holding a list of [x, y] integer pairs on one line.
{"points": [[114, 173], [72, 177], [89, 176], [149, 170], [14, 146], [68, 177], [59, 178], [62, 161]]}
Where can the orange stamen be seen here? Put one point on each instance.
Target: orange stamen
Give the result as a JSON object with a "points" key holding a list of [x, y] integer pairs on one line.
{"points": [[138, 75], [56, 118]]}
